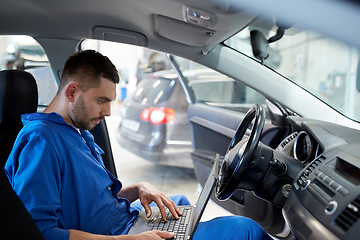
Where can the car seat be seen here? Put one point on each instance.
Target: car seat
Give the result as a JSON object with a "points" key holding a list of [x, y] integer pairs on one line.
{"points": [[18, 95]]}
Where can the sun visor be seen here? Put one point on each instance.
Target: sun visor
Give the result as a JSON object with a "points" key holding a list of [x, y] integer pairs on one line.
{"points": [[183, 32], [119, 35]]}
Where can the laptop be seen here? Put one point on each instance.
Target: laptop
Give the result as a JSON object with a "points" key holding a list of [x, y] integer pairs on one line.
{"points": [[185, 227]]}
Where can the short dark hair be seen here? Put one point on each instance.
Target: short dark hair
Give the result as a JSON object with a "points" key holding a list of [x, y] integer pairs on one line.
{"points": [[88, 66]]}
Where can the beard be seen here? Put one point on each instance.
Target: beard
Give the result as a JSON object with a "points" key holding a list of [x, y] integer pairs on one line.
{"points": [[80, 116]]}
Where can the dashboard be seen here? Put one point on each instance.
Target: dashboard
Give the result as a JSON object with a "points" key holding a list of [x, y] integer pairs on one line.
{"points": [[324, 201]]}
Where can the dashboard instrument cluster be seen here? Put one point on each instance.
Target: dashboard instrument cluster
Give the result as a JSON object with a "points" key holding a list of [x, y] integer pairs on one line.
{"points": [[300, 145]]}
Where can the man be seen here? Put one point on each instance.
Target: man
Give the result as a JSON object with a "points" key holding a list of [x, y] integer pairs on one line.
{"points": [[56, 168]]}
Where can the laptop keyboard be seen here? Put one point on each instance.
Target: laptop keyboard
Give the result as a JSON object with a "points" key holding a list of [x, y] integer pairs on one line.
{"points": [[177, 226]]}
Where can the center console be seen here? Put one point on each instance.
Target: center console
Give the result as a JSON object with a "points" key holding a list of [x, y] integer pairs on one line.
{"points": [[324, 202]]}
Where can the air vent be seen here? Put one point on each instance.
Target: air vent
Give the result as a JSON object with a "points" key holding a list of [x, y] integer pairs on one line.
{"points": [[349, 215], [288, 139]]}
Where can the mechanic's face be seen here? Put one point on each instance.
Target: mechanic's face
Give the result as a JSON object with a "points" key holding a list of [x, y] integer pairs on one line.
{"points": [[92, 106]]}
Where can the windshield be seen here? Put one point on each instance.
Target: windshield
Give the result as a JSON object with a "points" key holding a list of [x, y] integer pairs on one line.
{"points": [[326, 68]]}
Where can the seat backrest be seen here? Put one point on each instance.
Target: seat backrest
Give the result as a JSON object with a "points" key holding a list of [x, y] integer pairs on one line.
{"points": [[18, 95], [101, 136]]}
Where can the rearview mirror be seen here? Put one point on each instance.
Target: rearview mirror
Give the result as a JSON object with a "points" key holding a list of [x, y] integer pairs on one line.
{"points": [[260, 45]]}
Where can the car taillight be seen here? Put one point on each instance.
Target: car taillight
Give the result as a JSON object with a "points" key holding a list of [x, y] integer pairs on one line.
{"points": [[158, 115]]}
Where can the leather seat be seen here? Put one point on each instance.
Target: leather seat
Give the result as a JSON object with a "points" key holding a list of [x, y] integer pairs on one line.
{"points": [[18, 95], [15, 220]]}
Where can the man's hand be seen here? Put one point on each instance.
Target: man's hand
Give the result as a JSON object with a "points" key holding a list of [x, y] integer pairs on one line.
{"points": [[151, 235], [155, 234], [147, 194]]}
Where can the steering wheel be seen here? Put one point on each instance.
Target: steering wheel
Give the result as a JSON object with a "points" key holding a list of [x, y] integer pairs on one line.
{"points": [[240, 152]]}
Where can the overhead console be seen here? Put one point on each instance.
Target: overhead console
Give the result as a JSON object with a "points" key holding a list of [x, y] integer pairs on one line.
{"points": [[328, 188]]}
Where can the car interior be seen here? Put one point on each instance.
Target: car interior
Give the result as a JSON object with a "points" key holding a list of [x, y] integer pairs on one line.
{"points": [[292, 168]]}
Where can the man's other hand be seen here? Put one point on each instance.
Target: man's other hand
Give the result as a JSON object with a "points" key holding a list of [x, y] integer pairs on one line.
{"points": [[155, 234]]}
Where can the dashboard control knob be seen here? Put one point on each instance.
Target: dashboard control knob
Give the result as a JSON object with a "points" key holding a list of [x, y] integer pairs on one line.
{"points": [[331, 207]]}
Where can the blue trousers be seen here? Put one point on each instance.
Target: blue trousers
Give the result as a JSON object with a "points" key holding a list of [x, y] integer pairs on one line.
{"points": [[222, 228]]}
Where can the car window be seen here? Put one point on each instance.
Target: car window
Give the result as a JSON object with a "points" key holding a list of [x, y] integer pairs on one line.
{"points": [[24, 53], [130, 61], [206, 85], [213, 88], [153, 90]]}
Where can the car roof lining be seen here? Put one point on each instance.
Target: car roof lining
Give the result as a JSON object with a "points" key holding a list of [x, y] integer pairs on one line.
{"points": [[76, 19], [158, 27], [68, 22]]}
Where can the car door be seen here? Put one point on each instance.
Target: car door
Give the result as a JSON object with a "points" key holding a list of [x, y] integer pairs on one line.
{"points": [[217, 105]]}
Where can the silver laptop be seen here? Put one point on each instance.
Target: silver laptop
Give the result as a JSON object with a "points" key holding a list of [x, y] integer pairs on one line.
{"points": [[184, 228]]}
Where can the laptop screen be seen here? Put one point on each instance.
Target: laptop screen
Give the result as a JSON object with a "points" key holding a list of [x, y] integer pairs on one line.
{"points": [[203, 199]]}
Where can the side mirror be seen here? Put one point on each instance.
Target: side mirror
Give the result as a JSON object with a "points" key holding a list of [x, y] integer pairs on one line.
{"points": [[260, 45]]}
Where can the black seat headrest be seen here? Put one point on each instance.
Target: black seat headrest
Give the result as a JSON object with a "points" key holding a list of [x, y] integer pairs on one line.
{"points": [[18, 95]]}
